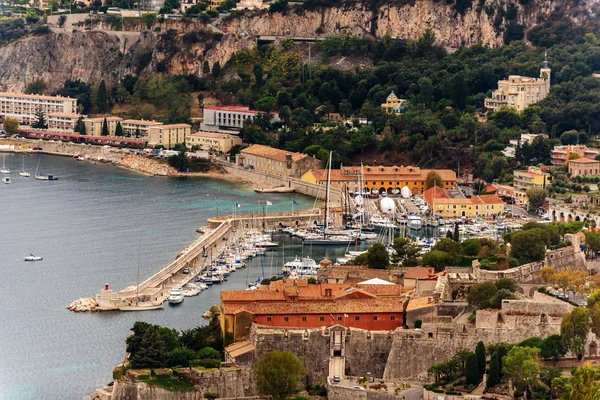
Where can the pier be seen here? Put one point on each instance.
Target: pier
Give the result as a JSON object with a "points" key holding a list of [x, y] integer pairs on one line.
{"points": [[220, 232]]}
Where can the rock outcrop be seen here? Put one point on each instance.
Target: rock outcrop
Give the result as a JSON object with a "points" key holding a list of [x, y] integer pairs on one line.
{"points": [[93, 55]]}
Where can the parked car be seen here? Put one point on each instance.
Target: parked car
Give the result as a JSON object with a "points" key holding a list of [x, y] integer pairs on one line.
{"points": [[336, 379], [358, 388], [186, 270]]}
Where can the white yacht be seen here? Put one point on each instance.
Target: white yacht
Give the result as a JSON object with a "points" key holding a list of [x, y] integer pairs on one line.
{"points": [[32, 257], [176, 296], [415, 222], [6, 180]]}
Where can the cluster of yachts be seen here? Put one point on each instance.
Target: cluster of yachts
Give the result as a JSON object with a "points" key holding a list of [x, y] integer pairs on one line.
{"points": [[39, 176]]}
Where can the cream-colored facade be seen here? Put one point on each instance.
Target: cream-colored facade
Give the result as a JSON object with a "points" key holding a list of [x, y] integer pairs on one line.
{"points": [[24, 106], [63, 122], [212, 141], [93, 126], [520, 92], [393, 105], [276, 162], [131, 127], [534, 177], [168, 135]]}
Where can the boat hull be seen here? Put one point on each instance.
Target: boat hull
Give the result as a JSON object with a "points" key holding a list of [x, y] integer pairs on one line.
{"points": [[142, 307]]}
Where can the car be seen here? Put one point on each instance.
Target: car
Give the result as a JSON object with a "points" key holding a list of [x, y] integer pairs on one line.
{"points": [[582, 303], [336, 379], [186, 270], [358, 388]]}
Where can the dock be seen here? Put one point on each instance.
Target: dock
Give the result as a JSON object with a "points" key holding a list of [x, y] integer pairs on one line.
{"points": [[220, 231]]}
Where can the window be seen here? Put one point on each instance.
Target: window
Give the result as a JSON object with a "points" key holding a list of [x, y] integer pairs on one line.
{"points": [[357, 318], [321, 319], [392, 318], [339, 317], [286, 319], [268, 319], [303, 319], [374, 318]]}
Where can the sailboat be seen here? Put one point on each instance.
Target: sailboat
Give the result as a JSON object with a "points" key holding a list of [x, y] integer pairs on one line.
{"points": [[140, 306], [23, 172], [43, 177], [4, 170]]}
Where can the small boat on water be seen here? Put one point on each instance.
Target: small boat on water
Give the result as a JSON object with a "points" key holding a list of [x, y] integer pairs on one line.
{"points": [[23, 172], [6, 180], [176, 296], [32, 257], [43, 177], [142, 307], [4, 170], [415, 222]]}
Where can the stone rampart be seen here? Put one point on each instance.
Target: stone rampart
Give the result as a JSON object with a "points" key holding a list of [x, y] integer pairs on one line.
{"points": [[337, 392], [363, 348]]}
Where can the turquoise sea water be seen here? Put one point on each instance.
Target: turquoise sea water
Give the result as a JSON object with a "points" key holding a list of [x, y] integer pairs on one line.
{"points": [[88, 226]]}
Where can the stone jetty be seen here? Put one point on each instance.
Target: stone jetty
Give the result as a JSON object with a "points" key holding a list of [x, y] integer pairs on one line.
{"points": [[83, 305]]}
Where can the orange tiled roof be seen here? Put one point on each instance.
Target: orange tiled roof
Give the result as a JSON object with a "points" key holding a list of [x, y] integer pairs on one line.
{"points": [[490, 199], [421, 302], [419, 273], [584, 160], [272, 153]]}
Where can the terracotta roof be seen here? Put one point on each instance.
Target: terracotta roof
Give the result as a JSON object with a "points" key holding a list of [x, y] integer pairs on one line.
{"points": [[421, 302], [272, 153], [335, 176], [584, 160], [419, 273], [490, 199], [355, 306]]}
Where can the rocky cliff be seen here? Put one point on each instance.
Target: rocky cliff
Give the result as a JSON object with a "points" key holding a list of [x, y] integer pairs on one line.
{"points": [[98, 54]]}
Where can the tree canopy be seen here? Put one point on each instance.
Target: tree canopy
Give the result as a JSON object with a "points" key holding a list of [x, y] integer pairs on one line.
{"points": [[277, 373]]}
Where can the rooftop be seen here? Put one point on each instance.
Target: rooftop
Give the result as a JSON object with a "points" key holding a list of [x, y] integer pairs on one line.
{"points": [[584, 160], [172, 126], [141, 122], [100, 119], [239, 109], [66, 115], [35, 96], [212, 135], [419, 273], [421, 302], [272, 153]]}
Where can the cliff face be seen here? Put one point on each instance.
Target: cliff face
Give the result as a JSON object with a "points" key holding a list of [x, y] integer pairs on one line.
{"points": [[104, 54]]}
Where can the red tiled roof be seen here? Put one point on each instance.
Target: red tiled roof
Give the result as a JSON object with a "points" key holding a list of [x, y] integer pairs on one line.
{"points": [[419, 273], [355, 306]]}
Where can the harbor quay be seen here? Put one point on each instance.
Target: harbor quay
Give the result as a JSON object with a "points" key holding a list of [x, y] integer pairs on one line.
{"points": [[196, 258]]}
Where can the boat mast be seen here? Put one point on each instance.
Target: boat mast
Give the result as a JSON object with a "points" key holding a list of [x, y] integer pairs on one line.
{"points": [[327, 195], [137, 286]]}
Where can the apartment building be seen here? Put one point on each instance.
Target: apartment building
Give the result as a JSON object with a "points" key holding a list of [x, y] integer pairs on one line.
{"points": [[63, 122], [520, 92], [23, 107], [510, 150], [93, 126], [168, 135], [562, 154], [276, 162], [212, 141], [442, 203], [133, 127], [229, 119], [584, 167], [534, 177]]}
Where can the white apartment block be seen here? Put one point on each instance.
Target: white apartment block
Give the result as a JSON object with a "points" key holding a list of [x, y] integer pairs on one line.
{"points": [[24, 106], [63, 122], [168, 135], [229, 119], [520, 92]]}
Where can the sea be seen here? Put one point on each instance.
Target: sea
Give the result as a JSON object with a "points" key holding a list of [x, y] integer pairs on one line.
{"points": [[89, 226]]}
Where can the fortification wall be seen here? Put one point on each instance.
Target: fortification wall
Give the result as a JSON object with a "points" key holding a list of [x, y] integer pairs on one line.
{"points": [[364, 350], [143, 391], [336, 392]]}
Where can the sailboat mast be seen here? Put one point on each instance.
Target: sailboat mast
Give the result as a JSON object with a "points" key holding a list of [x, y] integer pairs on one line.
{"points": [[327, 194], [137, 286]]}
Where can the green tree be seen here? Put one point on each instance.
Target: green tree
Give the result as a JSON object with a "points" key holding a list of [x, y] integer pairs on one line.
{"points": [[36, 87], [82, 128], [506, 283], [378, 256], [209, 353], [266, 104], [584, 385], [436, 370], [456, 236], [405, 252], [494, 376], [481, 294], [461, 356], [11, 126], [521, 364], [471, 247], [102, 98], [536, 197], [181, 356], [480, 353], [152, 352], [433, 179], [216, 70], [552, 348], [549, 375], [104, 127], [277, 373], [574, 329], [40, 119], [473, 376], [118, 129], [528, 246]]}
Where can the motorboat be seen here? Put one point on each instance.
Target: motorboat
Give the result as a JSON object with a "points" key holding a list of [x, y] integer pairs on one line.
{"points": [[176, 296], [32, 257], [6, 180], [415, 222]]}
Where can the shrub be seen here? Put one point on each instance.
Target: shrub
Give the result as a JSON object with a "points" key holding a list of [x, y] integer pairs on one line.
{"points": [[471, 247], [473, 376], [208, 363]]}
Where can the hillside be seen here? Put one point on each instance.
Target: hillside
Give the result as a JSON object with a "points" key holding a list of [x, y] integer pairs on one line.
{"points": [[182, 47]]}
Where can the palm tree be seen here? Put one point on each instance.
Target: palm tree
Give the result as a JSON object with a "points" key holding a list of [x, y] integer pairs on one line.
{"points": [[462, 356], [548, 375], [436, 370]]}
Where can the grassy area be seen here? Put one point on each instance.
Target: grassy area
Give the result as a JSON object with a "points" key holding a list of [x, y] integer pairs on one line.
{"points": [[202, 369], [170, 383]]}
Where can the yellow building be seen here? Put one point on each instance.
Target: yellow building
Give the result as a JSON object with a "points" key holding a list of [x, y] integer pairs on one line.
{"points": [[446, 206], [93, 126], [393, 105], [212, 141], [133, 127], [168, 135], [516, 196], [520, 92], [63, 122], [534, 177]]}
